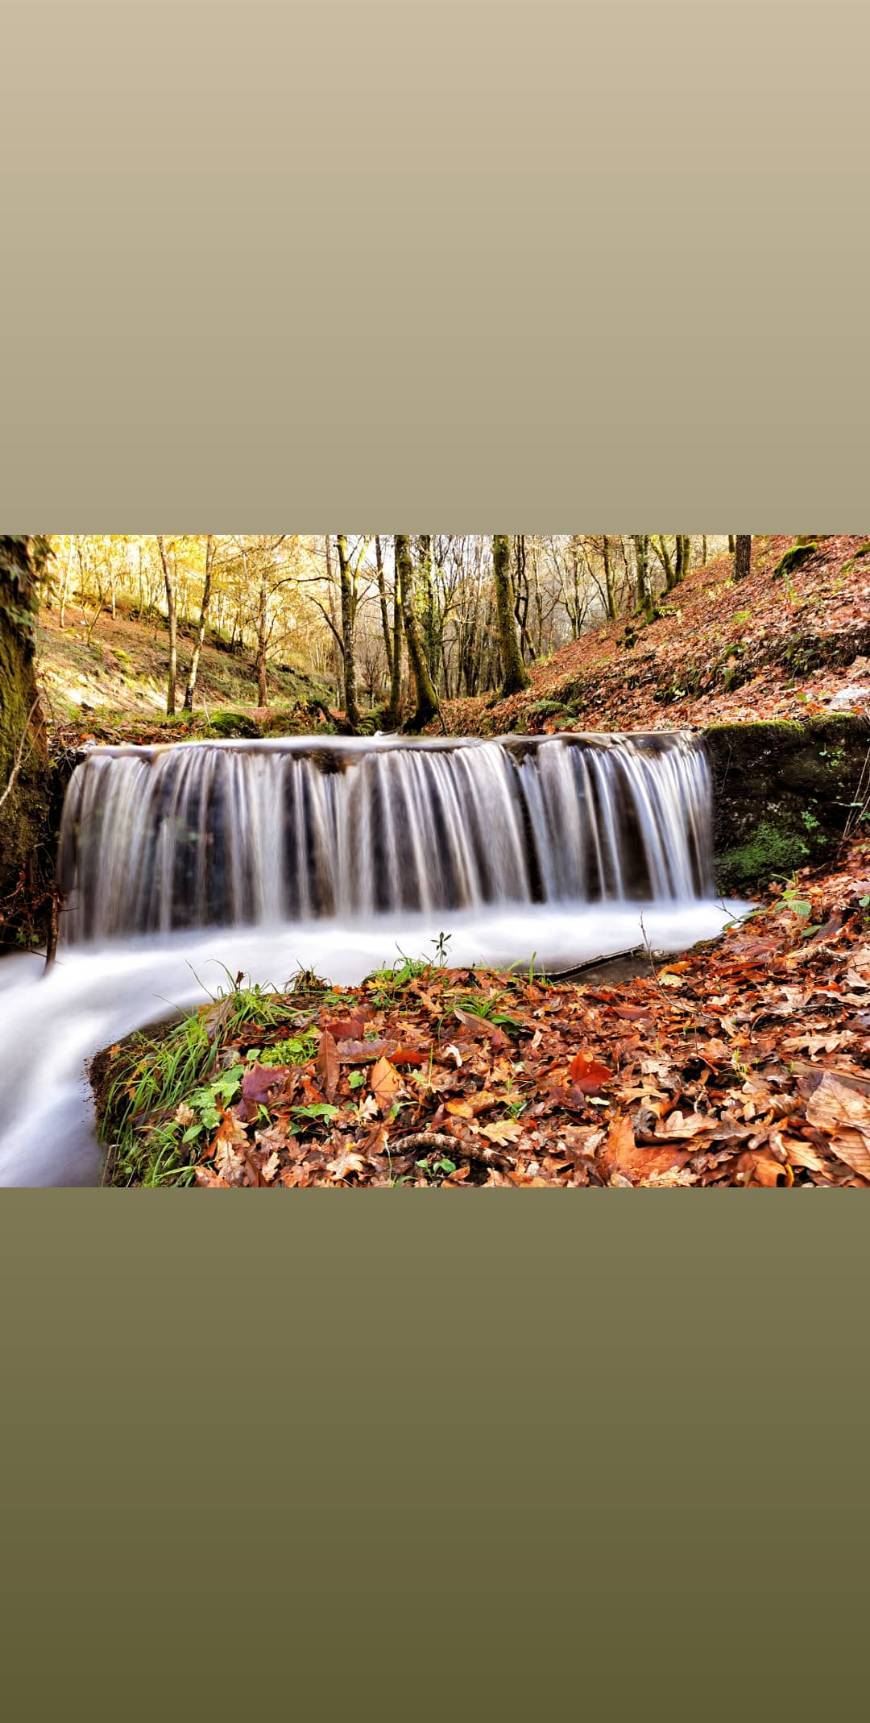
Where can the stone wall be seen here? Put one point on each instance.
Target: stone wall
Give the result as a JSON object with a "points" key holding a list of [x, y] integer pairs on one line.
{"points": [[784, 793]]}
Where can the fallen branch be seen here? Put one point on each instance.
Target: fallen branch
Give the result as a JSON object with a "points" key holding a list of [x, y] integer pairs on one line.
{"points": [[453, 1146], [594, 963]]}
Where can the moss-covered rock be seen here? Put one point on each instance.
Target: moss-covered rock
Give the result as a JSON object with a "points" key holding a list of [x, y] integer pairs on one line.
{"points": [[795, 556], [783, 792]]}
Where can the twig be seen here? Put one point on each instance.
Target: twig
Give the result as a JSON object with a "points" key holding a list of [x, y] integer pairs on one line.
{"points": [[19, 756]]}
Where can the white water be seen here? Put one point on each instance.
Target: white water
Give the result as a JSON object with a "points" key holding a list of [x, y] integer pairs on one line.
{"points": [[632, 835], [155, 839]]}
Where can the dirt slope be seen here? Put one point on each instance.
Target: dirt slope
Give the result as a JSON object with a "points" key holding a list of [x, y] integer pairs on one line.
{"points": [[117, 676], [783, 643]]}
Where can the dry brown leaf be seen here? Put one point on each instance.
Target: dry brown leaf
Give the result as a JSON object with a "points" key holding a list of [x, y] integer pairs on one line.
{"points": [[328, 1064], [345, 1163], [502, 1131], [385, 1083], [678, 1125], [622, 1155], [228, 1164], [833, 1107], [853, 1148]]}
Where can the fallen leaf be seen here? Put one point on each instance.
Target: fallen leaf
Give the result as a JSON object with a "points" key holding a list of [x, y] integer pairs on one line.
{"points": [[347, 1028], [385, 1082], [345, 1163], [361, 1052], [678, 1124], [228, 1163], [502, 1131], [622, 1155], [832, 1105], [587, 1073], [257, 1084], [328, 1064]]}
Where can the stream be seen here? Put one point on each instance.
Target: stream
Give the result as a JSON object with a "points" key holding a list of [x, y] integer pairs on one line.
{"points": [[185, 866]]}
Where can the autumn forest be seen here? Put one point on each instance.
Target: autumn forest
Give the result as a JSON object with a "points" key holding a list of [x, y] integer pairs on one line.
{"points": [[361, 860]]}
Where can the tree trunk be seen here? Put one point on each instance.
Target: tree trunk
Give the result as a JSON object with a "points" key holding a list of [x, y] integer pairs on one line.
{"points": [[392, 634], [262, 620], [172, 623], [683, 557], [347, 644], [608, 579], [190, 690], [665, 560], [25, 858], [514, 673], [427, 702], [742, 555], [730, 544], [382, 600], [430, 632], [396, 661], [644, 590]]}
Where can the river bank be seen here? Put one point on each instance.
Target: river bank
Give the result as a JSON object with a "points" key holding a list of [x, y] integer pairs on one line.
{"points": [[743, 1063]]}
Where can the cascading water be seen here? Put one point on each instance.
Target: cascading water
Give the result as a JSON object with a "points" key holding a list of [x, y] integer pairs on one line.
{"points": [[182, 863], [221, 834]]}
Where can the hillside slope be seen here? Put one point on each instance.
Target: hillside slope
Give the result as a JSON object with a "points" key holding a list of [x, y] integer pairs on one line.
{"points": [[782, 643], [112, 680]]}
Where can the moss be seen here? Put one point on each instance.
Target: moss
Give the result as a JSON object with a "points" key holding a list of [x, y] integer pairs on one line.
{"points": [[772, 850], [25, 779], [793, 558], [783, 726], [232, 724], [783, 792]]}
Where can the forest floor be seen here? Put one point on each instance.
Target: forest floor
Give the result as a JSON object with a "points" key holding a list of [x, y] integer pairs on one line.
{"points": [[743, 1063], [786, 642]]}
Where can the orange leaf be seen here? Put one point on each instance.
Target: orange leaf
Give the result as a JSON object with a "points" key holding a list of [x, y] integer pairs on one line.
{"points": [[622, 1156], [587, 1073], [384, 1081]]}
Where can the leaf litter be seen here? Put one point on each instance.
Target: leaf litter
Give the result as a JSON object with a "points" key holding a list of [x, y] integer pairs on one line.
{"points": [[754, 1071]]}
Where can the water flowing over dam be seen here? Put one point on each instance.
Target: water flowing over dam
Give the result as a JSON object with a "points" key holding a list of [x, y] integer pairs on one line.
{"points": [[226, 834], [185, 865]]}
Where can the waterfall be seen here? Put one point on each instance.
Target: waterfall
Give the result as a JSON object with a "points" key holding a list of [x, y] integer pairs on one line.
{"points": [[235, 833]]}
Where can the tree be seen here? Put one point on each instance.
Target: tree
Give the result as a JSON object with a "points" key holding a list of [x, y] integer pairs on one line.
{"points": [[426, 587], [190, 690], [172, 624], [645, 601], [514, 673], [742, 556], [24, 784], [346, 574], [426, 698], [609, 598], [683, 557], [392, 635]]}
